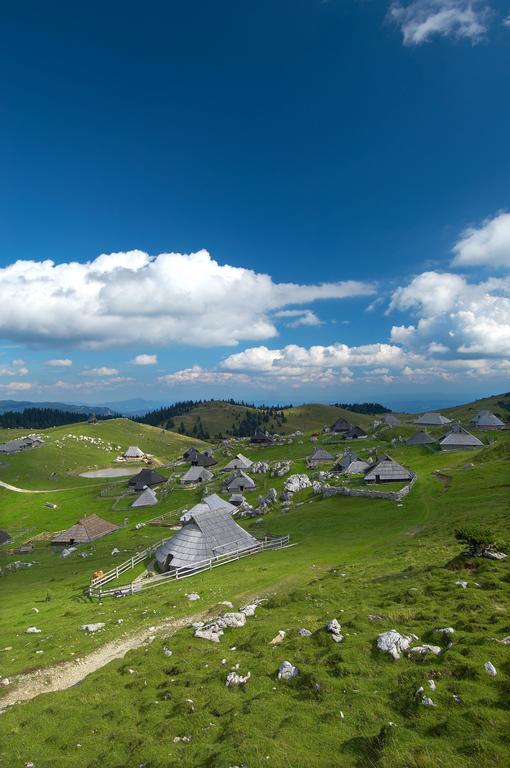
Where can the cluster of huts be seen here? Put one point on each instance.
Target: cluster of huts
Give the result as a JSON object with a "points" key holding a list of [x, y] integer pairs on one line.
{"points": [[21, 444], [347, 430], [383, 470]]}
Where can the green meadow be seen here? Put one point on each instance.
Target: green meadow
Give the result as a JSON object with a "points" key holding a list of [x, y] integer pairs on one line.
{"points": [[372, 564]]}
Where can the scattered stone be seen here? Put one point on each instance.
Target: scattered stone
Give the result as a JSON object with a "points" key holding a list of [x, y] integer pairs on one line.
{"points": [[210, 632], [249, 610], [35, 610], [432, 684], [427, 701], [4, 682], [462, 584], [115, 551], [374, 617], [287, 671], [277, 639], [234, 620], [423, 649], [304, 632], [393, 643], [185, 739], [167, 651], [493, 555], [67, 551], [92, 627], [32, 631], [335, 630], [297, 483], [457, 698], [490, 668], [193, 596], [505, 641], [234, 679], [445, 631], [227, 604]]}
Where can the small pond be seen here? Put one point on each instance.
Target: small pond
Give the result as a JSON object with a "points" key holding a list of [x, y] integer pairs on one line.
{"points": [[111, 472]]}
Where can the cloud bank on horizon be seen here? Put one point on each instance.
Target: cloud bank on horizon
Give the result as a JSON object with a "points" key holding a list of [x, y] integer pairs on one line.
{"points": [[457, 326]]}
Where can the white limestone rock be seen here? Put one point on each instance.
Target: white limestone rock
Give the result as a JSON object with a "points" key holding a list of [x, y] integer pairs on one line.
{"points": [[210, 632], [393, 642], [303, 632], [32, 631], [424, 649], [297, 483], [193, 596], [335, 630], [490, 668], [234, 620], [233, 679], [287, 671], [92, 627]]}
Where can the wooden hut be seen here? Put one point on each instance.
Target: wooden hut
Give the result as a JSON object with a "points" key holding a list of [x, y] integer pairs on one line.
{"points": [[340, 426], [486, 420], [421, 437], [206, 534], [240, 481], [386, 470], [459, 439], [196, 475], [432, 420], [87, 529]]}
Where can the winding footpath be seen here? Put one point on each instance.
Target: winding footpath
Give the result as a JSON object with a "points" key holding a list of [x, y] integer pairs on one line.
{"points": [[61, 676]]}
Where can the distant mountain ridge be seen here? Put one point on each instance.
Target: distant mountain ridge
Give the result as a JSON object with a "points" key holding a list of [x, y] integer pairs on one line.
{"points": [[17, 406]]}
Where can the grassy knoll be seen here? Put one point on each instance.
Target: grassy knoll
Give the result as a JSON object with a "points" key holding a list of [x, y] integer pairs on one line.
{"points": [[355, 558], [218, 417], [68, 451]]}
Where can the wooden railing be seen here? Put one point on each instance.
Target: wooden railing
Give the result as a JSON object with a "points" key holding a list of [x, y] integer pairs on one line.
{"points": [[95, 590]]}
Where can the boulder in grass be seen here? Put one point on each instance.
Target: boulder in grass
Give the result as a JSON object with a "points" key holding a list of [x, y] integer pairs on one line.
{"points": [[92, 627], [234, 679], [304, 632], [287, 671], [490, 668], [32, 631], [424, 649], [249, 610], [193, 596], [234, 620], [394, 643], [211, 632], [445, 631], [335, 630], [505, 641], [4, 682]]}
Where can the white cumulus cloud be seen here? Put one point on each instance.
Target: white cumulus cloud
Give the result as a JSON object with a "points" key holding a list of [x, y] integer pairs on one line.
{"points": [[128, 298], [421, 20], [64, 362], [145, 360], [102, 371], [488, 245]]}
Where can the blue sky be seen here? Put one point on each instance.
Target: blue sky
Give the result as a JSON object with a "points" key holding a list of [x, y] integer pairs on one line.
{"points": [[280, 201]]}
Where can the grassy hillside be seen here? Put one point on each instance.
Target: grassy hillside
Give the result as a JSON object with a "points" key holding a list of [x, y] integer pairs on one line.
{"points": [[75, 448], [497, 404], [218, 417], [372, 564]]}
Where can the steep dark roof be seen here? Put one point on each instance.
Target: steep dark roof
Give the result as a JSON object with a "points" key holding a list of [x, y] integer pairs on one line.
{"points": [[421, 437], [146, 477], [355, 432], [146, 499], [341, 425], [320, 455], [391, 420], [196, 475], [240, 480], [203, 460]]}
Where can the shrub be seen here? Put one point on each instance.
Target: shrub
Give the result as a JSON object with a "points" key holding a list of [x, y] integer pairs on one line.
{"points": [[478, 539]]}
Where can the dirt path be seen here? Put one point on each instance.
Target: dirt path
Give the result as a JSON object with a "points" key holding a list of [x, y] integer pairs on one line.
{"points": [[48, 490], [61, 676]]}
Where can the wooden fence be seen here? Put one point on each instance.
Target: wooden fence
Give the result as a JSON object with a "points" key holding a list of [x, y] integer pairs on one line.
{"points": [[95, 590]]}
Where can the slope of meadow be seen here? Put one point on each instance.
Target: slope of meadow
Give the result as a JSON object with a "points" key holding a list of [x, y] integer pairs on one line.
{"points": [[372, 564]]}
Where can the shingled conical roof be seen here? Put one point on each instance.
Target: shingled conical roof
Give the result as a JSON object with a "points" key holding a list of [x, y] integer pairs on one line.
{"points": [[387, 470], [207, 534], [433, 420], [486, 419]]}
